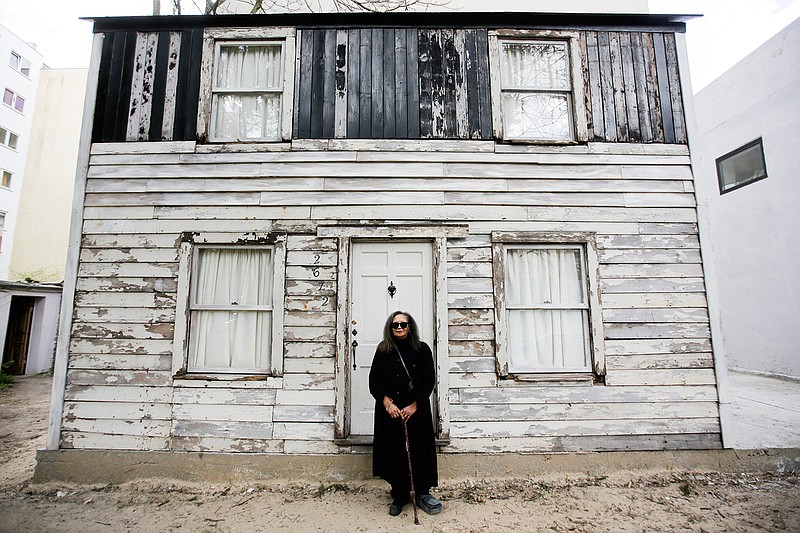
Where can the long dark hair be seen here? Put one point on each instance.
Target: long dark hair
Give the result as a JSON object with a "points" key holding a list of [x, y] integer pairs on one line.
{"points": [[388, 344]]}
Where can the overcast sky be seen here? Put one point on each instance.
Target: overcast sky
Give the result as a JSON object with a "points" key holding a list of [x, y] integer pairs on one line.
{"points": [[728, 31]]}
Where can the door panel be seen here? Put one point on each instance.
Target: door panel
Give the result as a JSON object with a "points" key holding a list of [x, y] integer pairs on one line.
{"points": [[408, 268]]}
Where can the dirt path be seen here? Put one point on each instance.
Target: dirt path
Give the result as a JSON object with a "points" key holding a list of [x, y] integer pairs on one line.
{"points": [[657, 502]]}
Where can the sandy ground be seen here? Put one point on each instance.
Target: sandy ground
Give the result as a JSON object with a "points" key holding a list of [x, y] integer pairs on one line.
{"points": [[627, 501]]}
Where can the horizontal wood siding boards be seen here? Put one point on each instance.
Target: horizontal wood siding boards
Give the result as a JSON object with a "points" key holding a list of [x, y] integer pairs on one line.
{"points": [[659, 383]]}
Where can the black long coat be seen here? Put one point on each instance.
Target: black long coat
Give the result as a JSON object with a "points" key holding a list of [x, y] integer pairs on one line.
{"points": [[388, 378]]}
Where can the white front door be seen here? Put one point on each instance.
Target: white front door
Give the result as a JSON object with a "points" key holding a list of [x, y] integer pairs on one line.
{"points": [[387, 277]]}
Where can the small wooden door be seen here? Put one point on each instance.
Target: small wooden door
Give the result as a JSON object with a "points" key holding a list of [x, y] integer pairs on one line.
{"points": [[386, 277], [18, 334]]}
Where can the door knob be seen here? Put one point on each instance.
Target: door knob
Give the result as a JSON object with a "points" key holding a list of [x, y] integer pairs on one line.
{"points": [[354, 345]]}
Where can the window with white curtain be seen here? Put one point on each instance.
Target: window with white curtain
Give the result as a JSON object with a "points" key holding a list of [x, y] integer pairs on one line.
{"points": [[231, 310], [548, 310], [247, 91], [536, 90]]}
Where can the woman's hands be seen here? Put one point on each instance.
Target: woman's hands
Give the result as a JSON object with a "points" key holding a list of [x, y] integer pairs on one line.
{"points": [[395, 412]]}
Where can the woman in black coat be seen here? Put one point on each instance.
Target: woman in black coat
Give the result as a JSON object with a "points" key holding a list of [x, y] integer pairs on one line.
{"points": [[401, 380]]}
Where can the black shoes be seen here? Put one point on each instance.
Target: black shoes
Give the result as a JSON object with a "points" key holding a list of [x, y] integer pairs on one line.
{"points": [[426, 502], [429, 504]]}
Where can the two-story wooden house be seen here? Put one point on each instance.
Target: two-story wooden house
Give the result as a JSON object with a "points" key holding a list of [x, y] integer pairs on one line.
{"points": [[257, 193]]}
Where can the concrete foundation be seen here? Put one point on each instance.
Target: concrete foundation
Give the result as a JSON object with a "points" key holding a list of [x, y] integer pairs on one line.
{"points": [[100, 466]]}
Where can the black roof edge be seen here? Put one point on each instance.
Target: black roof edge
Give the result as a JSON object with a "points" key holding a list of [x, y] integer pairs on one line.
{"points": [[672, 23]]}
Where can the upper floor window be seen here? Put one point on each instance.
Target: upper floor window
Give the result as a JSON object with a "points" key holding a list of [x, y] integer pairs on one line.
{"points": [[13, 100], [741, 166], [537, 87], [6, 180], [8, 138], [20, 64], [249, 94]]}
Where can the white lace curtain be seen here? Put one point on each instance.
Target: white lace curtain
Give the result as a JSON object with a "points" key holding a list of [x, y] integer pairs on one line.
{"points": [[547, 310], [231, 311], [536, 84], [252, 109]]}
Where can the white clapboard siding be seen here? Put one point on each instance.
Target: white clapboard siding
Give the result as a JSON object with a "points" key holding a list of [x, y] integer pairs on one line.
{"points": [[585, 427], [470, 317], [144, 427], [580, 412], [112, 393], [110, 330], [227, 396], [660, 361], [142, 315], [195, 443], [105, 441], [117, 410], [659, 390], [227, 412], [116, 377], [587, 394], [119, 362]]}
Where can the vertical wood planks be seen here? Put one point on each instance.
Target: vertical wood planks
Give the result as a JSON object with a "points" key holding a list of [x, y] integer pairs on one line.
{"points": [[412, 75], [353, 89], [596, 112], [389, 83], [675, 91], [663, 87], [634, 87], [637, 53]]}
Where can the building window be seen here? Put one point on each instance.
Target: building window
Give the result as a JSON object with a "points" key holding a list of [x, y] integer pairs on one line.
{"points": [[6, 181], [247, 91], [13, 100], [234, 309], [548, 311], [20, 64], [8, 138], [536, 86], [741, 166]]}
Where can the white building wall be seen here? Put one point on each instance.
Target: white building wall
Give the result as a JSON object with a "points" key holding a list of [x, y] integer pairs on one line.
{"points": [[756, 229], [13, 160], [40, 249]]}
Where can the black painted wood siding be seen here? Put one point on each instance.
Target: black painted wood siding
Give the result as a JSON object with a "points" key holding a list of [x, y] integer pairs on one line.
{"points": [[397, 83], [632, 87], [118, 71], [390, 83]]}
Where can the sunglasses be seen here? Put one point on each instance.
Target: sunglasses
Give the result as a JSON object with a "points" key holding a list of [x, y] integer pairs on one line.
{"points": [[399, 325]]}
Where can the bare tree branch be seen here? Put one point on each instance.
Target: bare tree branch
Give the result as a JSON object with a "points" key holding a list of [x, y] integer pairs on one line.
{"points": [[214, 7]]}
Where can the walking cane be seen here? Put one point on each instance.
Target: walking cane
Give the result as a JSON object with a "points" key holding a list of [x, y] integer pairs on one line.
{"points": [[411, 474]]}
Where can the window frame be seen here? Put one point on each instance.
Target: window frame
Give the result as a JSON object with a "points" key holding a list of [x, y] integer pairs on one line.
{"points": [[595, 346], [6, 184], [721, 159], [5, 138], [191, 243], [15, 99], [213, 38], [18, 62], [576, 101]]}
